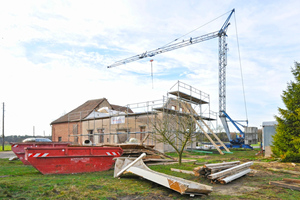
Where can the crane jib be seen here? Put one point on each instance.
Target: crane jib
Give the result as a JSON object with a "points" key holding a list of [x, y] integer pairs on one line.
{"points": [[223, 48], [167, 48], [177, 45]]}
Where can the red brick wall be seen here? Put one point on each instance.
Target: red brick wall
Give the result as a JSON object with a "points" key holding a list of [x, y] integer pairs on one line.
{"points": [[63, 130]]}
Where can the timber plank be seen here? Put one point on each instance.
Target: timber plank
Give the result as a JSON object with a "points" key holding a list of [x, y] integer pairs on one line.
{"points": [[285, 184]]}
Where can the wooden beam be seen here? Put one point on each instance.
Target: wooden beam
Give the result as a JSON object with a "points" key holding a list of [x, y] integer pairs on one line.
{"points": [[285, 171], [230, 171], [145, 138], [208, 137], [182, 171], [222, 164], [291, 180], [223, 145], [285, 185], [197, 170], [160, 153], [169, 163]]}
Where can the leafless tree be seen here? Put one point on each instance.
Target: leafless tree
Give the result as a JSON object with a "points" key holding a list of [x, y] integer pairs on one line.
{"points": [[176, 129]]}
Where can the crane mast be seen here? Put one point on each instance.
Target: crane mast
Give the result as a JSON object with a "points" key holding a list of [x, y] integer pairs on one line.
{"points": [[221, 34]]}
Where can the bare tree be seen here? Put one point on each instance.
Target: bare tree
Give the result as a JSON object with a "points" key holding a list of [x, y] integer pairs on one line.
{"points": [[176, 129]]}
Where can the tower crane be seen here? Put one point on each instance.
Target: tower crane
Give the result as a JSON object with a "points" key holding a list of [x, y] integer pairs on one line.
{"points": [[221, 34]]}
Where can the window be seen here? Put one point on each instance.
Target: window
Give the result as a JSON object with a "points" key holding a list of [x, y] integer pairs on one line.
{"points": [[76, 140], [173, 107], [75, 129], [142, 130], [75, 133], [59, 139], [101, 136]]}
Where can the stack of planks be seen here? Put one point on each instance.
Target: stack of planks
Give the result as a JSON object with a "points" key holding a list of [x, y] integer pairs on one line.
{"points": [[152, 156], [223, 172]]}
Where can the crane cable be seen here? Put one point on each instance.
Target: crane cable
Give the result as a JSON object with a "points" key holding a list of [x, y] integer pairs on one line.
{"points": [[195, 29], [240, 62]]}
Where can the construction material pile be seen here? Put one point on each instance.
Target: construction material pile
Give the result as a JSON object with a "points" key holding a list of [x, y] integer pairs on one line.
{"points": [[138, 167], [152, 157], [223, 172]]}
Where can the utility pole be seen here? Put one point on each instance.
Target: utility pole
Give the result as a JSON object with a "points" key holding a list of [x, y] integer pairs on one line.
{"points": [[33, 131], [3, 129]]}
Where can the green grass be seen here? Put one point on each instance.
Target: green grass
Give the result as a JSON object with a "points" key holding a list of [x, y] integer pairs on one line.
{"points": [[256, 145], [18, 181], [7, 147], [237, 154]]}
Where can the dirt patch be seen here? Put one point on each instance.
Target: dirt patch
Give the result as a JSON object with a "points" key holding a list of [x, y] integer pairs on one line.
{"points": [[260, 173], [276, 165], [234, 188], [7, 154], [148, 197]]}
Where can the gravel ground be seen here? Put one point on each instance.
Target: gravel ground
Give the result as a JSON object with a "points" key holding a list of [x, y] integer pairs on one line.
{"points": [[7, 154]]}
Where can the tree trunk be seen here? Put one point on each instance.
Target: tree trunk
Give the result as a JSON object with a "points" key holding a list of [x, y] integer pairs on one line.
{"points": [[179, 158]]}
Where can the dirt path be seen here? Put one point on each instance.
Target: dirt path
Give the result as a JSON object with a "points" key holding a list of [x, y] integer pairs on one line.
{"points": [[7, 154]]}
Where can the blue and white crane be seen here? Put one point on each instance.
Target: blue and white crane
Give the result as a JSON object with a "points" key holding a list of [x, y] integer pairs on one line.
{"points": [[221, 34]]}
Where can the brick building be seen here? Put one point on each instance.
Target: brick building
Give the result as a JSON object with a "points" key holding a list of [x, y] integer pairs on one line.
{"points": [[99, 122]]}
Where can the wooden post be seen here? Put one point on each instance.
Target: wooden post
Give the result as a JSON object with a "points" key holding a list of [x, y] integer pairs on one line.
{"points": [[145, 138], [182, 171]]}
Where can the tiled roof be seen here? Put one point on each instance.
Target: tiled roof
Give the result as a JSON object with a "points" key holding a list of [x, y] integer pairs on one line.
{"points": [[80, 112], [121, 108]]}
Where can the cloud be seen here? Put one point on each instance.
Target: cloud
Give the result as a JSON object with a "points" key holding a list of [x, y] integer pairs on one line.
{"points": [[54, 55]]}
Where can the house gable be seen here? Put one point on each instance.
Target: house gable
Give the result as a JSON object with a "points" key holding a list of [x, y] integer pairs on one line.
{"points": [[82, 111]]}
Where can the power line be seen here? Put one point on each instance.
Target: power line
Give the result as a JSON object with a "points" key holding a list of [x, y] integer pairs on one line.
{"points": [[240, 62], [196, 28]]}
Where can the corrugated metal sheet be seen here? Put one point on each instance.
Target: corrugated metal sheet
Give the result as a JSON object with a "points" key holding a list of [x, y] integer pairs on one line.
{"points": [[269, 129]]}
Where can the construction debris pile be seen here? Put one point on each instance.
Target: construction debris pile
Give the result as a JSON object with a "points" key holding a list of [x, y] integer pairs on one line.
{"points": [[152, 157], [223, 172], [138, 167]]}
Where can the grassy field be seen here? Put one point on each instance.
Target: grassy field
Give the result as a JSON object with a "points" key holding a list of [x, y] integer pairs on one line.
{"points": [[18, 181], [7, 147]]}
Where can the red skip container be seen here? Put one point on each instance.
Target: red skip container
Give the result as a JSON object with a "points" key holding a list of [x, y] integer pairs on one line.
{"points": [[69, 160], [19, 148]]}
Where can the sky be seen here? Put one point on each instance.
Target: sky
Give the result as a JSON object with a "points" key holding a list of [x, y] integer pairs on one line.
{"points": [[54, 55]]}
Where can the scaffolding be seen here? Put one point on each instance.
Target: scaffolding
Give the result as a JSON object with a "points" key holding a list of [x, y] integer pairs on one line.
{"points": [[137, 121]]}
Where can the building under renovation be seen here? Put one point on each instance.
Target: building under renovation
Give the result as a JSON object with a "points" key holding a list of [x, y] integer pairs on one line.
{"points": [[97, 122]]}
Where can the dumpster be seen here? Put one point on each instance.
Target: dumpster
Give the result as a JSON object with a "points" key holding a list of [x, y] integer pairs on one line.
{"points": [[18, 148], [71, 160]]}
